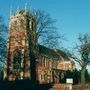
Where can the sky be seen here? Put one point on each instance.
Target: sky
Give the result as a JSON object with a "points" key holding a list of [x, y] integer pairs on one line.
{"points": [[72, 16]]}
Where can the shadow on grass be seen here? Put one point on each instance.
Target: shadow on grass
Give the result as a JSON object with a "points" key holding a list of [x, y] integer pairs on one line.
{"points": [[23, 85]]}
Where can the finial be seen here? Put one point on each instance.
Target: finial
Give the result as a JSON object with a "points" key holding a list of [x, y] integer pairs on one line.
{"points": [[35, 13], [25, 7], [30, 9], [10, 10], [18, 7]]}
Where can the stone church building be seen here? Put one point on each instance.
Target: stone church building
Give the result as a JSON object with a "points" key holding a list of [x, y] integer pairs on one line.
{"points": [[49, 63]]}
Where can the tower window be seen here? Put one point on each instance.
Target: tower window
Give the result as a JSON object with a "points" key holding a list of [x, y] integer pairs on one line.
{"points": [[17, 60], [30, 24], [15, 22]]}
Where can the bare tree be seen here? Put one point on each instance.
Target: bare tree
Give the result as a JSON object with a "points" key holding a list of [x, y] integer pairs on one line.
{"points": [[3, 39], [84, 50], [83, 54], [46, 30], [45, 34]]}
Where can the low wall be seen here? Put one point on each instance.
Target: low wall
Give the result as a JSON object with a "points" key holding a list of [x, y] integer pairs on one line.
{"points": [[61, 87], [81, 87]]}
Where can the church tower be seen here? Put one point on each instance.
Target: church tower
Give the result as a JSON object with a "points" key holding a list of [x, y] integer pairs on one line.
{"points": [[21, 36]]}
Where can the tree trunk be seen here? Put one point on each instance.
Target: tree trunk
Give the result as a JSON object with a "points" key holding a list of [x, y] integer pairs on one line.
{"points": [[83, 75], [33, 68]]}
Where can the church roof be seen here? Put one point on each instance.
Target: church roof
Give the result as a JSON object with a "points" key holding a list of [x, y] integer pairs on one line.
{"points": [[54, 54]]}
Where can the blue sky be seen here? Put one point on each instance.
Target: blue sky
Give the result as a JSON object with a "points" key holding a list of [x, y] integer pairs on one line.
{"points": [[72, 16]]}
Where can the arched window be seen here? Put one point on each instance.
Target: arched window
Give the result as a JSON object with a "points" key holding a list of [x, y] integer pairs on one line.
{"points": [[17, 60]]}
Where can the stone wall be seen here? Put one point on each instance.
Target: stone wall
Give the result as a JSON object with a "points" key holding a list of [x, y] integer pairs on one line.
{"points": [[70, 87], [61, 87], [81, 87]]}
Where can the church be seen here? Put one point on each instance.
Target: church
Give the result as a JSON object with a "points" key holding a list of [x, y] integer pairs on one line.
{"points": [[22, 42]]}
